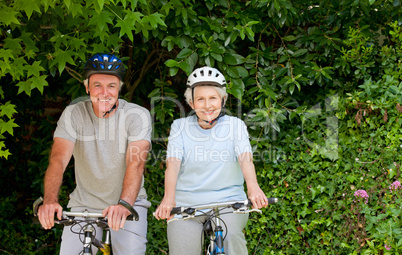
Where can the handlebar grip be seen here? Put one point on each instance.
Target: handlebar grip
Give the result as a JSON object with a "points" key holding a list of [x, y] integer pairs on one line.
{"points": [[272, 200], [175, 210], [35, 206], [134, 214]]}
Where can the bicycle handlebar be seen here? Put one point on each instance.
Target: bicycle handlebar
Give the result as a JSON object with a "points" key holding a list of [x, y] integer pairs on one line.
{"points": [[85, 214], [236, 205]]}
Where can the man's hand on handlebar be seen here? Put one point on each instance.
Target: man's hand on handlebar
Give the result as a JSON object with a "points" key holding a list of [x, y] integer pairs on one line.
{"points": [[117, 215], [46, 214]]}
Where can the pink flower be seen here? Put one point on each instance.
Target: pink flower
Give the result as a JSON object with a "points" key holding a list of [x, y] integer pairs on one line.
{"points": [[387, 247], [395, 186], [361, 193]]}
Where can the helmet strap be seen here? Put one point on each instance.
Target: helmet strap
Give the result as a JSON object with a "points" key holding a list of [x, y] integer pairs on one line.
{"points": [[111, 109]]}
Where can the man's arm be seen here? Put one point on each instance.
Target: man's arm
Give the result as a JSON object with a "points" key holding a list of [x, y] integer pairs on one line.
{"points": [[136, 156], [60, 156], [172, 171]]}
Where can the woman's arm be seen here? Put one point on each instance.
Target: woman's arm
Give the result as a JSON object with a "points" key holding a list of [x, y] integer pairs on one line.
{"points": [[254, 192]]}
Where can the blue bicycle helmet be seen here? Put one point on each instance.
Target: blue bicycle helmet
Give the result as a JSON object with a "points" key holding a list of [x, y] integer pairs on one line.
{"points": [[105, 64]]}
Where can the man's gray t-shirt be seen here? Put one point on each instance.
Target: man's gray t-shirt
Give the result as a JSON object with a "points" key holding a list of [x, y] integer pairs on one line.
{"points": [[100, 150]]}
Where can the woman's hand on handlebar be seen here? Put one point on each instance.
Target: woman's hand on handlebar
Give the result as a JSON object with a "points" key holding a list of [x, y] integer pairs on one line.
{"points": [[257, 197], [46, 214], [164, 209]]}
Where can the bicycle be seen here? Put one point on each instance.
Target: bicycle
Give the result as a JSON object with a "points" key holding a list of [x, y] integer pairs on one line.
{"points": [[89, 220], [215, 233]]}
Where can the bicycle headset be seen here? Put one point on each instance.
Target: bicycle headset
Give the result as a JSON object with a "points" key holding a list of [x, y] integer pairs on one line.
{"points": [[207, 76], [103, 63]]}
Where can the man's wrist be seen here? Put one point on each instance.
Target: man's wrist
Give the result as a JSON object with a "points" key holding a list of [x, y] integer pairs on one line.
{"points": [[134, 214]]}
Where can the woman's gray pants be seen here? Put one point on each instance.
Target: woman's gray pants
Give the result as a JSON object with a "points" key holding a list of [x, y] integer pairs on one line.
{"points": [[185, 236]]}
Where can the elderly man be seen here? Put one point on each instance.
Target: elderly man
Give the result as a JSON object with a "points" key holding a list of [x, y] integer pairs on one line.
{"points": [[109, 139]]}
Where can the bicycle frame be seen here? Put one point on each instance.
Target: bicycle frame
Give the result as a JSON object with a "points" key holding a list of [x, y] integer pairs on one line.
{"points": [[68, 218], [216, 245]]}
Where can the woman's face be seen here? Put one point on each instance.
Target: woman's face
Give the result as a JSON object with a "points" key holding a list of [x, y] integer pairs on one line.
{"points": [[207, 102]]}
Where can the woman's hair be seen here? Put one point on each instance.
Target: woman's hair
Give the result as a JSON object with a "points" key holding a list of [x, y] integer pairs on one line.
{"points": [[120, 85], [188, 94]]}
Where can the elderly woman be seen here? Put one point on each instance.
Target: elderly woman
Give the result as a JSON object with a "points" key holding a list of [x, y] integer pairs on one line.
{"points": [[208, 159]]}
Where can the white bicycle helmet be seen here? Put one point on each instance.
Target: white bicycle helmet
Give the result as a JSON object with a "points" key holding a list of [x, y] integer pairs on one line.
{"points": [[206, 76]]}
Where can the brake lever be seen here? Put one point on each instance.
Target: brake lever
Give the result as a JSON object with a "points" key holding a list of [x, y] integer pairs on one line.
{"points": [[245, 210]]}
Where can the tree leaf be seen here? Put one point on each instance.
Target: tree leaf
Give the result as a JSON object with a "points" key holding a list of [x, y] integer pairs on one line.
{"points": [[8, 127], [155, 19], [233, 59], [171, 63], [289, 38], [233, 72], [237, 88], [61, 58], [7, 109], [184, 53], [39, 83], [300, 52], [24, 86], [8, 16], [34, 69], [28, 7]]}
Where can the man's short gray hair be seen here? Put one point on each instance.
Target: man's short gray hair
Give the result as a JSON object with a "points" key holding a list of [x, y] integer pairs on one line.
{"points": [[188, 95]]}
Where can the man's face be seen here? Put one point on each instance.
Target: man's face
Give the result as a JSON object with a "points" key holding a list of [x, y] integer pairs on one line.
{"points": [[104, 92]]}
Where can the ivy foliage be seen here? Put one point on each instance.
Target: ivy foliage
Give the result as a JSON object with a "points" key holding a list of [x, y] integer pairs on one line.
{"points": [[318, 84]]}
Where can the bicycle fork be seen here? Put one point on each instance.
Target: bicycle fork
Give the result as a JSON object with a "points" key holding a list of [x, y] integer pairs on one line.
{"points": [[216, 246], [88, 231], [89, 240]]}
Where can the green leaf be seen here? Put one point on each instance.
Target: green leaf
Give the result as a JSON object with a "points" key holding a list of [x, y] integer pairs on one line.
{"points": [[281, 72], [8, 16], [128, 23], [218, 57], [188, 65], [269, 92], [155, 19], [61, 58], [39, 83], [27, 6], [7, 109], [300, 52], [100, 21], [8, 127], [242, 71], [173, 71], [326, 75], [289, 38], [5, 153], [34, 69], [126, 27], [313, 192], [171, 63], [13, 44], [184, 53], [24, 86], [237, 89], [233, 59]]}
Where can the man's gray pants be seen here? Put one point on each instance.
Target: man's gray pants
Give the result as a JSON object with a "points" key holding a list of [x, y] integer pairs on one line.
{"points": [[130, 240]]}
